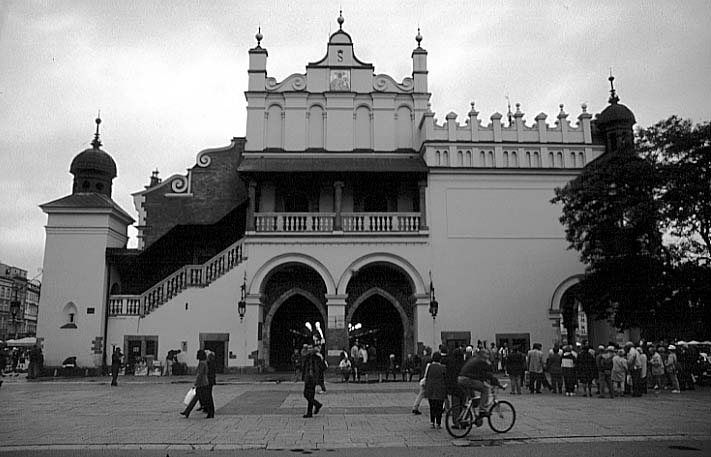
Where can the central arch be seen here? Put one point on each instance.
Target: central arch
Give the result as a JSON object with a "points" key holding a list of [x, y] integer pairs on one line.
{"points": [[376, 318], [286, 326]]}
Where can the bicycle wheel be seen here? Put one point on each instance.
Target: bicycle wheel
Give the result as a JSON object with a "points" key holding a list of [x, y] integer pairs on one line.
{"points": [[458, 420], [502, 416]]}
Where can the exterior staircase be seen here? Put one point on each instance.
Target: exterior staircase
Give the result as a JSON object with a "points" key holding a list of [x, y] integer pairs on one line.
{"points": [[186, 277]]}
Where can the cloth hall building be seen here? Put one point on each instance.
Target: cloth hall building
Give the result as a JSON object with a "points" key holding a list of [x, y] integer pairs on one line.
{"points": [[347, 205]]}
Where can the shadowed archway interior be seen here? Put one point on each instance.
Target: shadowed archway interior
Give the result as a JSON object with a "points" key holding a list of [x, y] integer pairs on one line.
{"points": [[377, 323], [289, 331]]}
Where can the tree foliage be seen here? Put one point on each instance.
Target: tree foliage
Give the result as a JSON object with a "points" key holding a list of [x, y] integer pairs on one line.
{"points": [[641, 221]]}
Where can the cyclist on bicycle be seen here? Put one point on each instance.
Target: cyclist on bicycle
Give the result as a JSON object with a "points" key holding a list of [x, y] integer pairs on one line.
{"points": [[475, 375]]}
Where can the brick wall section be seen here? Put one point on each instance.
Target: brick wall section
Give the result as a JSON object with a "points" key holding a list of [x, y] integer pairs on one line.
{"points": [[217, 189]]}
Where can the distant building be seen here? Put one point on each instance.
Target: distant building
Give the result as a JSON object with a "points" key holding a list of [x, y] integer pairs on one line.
{"points": [[15, 288], [347, 206]]}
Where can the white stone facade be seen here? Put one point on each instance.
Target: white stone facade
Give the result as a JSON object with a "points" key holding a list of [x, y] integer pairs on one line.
{"points": [[476, 218]]}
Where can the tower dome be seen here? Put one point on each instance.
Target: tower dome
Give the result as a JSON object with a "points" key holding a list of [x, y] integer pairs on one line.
{"points": [[93, 169], [615, 124], [615, 113]]}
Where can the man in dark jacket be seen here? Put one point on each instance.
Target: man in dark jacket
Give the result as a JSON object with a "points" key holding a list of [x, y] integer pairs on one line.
{"points": [[115, 365], [311, 372], [476, 374]]}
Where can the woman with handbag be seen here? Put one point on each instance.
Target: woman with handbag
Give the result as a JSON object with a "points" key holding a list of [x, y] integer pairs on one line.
{"points": [[436, 389], [202, 385]]}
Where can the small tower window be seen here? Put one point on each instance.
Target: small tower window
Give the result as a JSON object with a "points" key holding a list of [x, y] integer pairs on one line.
{"points": [[99, 186], [85, 185]]}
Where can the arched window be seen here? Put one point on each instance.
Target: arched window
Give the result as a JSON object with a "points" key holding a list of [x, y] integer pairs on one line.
{"points": [[70, 315], [316, 122], [362, 128]]}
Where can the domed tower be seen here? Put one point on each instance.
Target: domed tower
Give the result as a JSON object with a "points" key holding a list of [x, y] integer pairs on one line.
{"points": [[615, 123], [76, 274], [93, 169]]}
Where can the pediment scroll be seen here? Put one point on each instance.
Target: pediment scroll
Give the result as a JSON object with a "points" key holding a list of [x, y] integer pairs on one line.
{"points": [[385, 83], [293, 82]]}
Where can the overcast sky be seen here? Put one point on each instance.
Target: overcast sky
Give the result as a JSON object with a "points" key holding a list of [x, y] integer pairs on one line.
{"points": [[169, 76]]}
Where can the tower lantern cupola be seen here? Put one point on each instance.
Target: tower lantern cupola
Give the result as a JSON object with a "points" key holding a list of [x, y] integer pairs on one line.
{"points": [[93, 169], [615, 123]]}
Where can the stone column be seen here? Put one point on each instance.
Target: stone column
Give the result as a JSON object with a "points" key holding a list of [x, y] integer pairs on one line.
{"points": [[423, 205], [337, 203], [336, 332], [252, 189]]}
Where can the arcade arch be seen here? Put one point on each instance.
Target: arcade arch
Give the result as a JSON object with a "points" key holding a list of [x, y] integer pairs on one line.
{"points": [[292, 294]]}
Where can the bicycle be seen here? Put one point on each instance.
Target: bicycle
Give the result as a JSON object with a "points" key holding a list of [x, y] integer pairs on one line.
{"points": [[460, 419]]}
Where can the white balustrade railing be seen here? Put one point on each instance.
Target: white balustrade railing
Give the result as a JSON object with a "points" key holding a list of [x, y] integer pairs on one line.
{"points": [[381, 222], [185, 277], [324, 222], [294, 222]]}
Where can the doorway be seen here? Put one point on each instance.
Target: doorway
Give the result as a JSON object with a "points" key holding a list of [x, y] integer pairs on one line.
{"points": [[288, 330], [377, 323], [219, 344]]}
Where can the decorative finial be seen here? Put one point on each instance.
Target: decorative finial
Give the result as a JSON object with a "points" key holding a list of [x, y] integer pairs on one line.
{"points": [[259, 36], [473, 111], [340, 20], [96, 142], [418, 38], [518, 108], [584, 106], [613, 96]]}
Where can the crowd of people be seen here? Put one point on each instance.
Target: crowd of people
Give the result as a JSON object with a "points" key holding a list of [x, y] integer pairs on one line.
{"points": [[16, 360]]}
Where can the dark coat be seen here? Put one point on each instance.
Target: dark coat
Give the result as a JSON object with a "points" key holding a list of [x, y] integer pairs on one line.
{"points": [[201, 375], [435, 382], [211, 371], [312, 368], [586, 366], [454, 366], [516, 363]]}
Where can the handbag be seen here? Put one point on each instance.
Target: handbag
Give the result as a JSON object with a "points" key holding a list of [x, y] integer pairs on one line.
{"points": [[189, 396]]}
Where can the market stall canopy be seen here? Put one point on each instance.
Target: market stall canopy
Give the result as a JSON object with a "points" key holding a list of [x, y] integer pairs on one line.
{"points": [[22, 342]]}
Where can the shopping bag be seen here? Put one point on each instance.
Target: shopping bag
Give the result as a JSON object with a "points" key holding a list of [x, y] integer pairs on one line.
{"points": [[189, 396]]}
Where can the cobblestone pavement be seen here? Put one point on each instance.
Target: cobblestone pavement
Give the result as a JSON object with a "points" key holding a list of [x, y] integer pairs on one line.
{"points": [[90, 414]]}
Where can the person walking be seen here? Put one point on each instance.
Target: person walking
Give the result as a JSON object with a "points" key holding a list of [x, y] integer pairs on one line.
{"points": [[436, 389], [312, 373], [606, 366], [567, 364], [201, 384], [515, 365], [426, 359], [644, 372], [619, 372], [634, 367], [553, 367], [209, 405], [586, 370], [534, 361], [115, 366], [671, 367], [504, 356], [656, 363]]}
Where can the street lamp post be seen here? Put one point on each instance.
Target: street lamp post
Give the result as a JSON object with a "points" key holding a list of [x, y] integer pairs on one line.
{"points": [[242, 303], [434, 308]]}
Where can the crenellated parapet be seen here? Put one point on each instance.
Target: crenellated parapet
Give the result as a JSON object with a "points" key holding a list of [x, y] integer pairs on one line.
{"points": [[512, 144]]}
